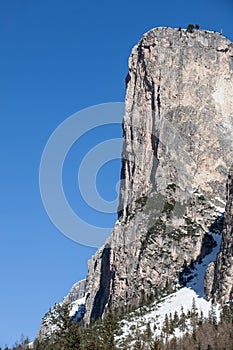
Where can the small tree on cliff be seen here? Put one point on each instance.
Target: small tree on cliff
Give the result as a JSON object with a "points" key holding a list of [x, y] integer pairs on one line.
{"points": [[190, 28]]}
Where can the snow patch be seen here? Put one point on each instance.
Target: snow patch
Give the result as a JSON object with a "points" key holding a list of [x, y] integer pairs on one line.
{"points": [[198, 273], [75, 304]]}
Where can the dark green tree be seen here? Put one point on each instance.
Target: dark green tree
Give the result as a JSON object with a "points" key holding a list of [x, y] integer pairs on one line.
{"points": [[166, 327], [213, 316], [138, 345], [175, 319], [182, 321], [190, 28], [91, 337], [148, 333], [108, 329], [156, 345], [67, 335], [227, 314]]}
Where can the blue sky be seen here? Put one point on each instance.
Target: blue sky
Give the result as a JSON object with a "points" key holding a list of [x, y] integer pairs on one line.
{"points": [[58, 57]]}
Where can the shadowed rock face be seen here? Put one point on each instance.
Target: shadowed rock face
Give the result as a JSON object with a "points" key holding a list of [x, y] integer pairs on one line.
{"points": [[178, 143], [102, 296], [219, 277]]}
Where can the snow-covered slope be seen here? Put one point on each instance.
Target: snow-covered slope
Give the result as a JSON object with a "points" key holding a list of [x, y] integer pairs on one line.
{"points": [[181, 301]]}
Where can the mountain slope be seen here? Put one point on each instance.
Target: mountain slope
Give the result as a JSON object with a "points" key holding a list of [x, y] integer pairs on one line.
{"points": [[181, 301], [178, 143]]}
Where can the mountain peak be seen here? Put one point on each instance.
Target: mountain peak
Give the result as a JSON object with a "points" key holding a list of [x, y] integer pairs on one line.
{"points": [[178, 144]]}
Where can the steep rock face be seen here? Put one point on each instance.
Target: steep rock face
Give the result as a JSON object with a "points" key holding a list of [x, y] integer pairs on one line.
{"points": [[177, 148], [219, 276], [178, 143], [178, 114]]}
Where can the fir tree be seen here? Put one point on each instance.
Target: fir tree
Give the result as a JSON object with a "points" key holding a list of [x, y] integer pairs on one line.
{"points": [[175, 319], [182, 322], [213, 316], [108, 329], [166, 327], [156, 345], [190, 28], [148, 333]]}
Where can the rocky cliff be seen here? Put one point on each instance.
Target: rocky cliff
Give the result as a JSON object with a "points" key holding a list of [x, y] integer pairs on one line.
{"points": [[178, 143], [176, 154], [219, 276], [75, 298]]}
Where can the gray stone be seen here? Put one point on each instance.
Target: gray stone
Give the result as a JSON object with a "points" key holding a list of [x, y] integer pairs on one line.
{"points": [[178, 139], [219, 277]]}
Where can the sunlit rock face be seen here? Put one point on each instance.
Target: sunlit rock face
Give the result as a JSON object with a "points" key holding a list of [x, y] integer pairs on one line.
{"points": [[178, 143]]}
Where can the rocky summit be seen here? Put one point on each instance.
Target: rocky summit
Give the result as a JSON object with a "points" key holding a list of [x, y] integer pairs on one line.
{"points": [[177, 152]]}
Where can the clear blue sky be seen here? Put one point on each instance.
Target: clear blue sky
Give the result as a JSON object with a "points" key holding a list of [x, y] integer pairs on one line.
{"points": [[57, 57]]}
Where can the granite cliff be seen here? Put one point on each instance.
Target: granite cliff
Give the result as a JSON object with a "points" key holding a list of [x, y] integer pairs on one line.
{"points": [[178, 143]]}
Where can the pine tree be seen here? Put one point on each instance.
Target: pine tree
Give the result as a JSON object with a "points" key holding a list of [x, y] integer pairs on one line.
{"points": [[176, 319], [67, 335], [108, 329], [138, 345], [190, 28], [90, 339], [194, 310], [148, 333], [194, 318], [156, 345], [201, 318], [166, 327], [171, 323], [182, 322], [227, 314], [213, 316], [73, 338]]}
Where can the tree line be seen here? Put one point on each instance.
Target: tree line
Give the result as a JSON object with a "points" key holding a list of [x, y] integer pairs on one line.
{"points": [[197, 332]]}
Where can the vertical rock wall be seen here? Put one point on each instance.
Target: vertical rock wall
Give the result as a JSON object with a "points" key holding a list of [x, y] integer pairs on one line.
{"points": [[178, 144]]}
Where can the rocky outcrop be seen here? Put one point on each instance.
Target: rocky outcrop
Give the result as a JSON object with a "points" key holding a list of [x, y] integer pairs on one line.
{"points": [[219, 276], [178, 140], [77, 291], [178, 143], [75, 298]]}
